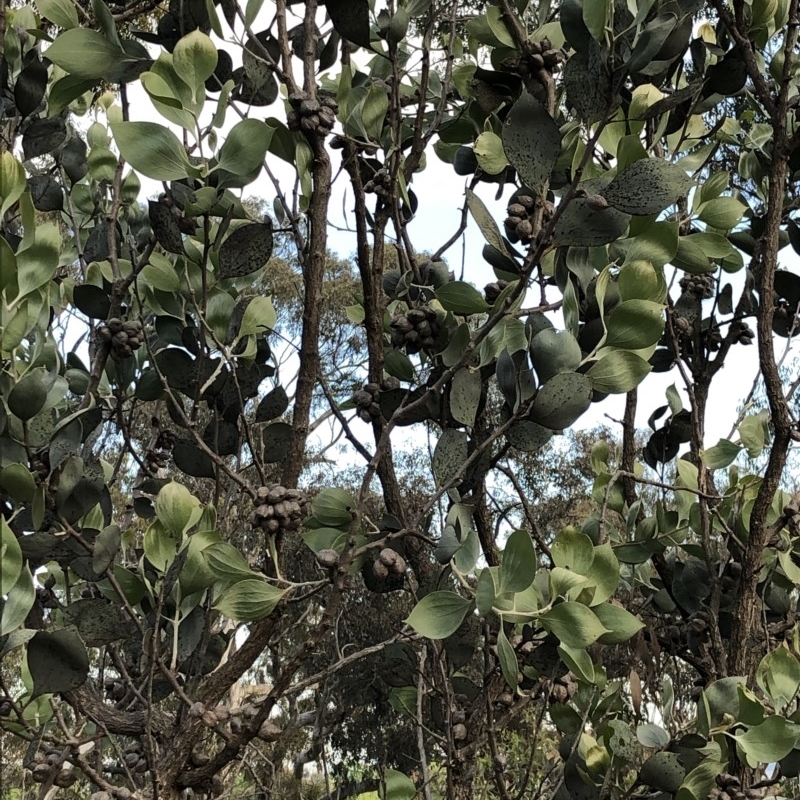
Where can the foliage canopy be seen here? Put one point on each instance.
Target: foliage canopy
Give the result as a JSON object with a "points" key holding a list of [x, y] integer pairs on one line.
{"points": [[422, 621]]}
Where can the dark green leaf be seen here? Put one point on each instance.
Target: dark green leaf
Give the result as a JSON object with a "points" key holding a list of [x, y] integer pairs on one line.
{"points": [[532, 141], [461, 298], [273, 405], [647, 186], [518, 567], [350, 18], [249, 600], [574, 624], [58, 662], [562, 400], [449, 455], [277, 441], [618, 372], [584, 224], [246, 250]]}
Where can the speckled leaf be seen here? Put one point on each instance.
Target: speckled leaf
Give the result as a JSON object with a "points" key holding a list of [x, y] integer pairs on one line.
{"points": [[647, 186], [43, 135], [46, 193], [189, 458], [449, 455], [273, 405], [528, 436], [465, 395], [350, 19], [562, 400], [587, 84], [165, 227], [663, 771], [277, 440], [582, 224], [532, 141], [247, 249], [98, 622]]}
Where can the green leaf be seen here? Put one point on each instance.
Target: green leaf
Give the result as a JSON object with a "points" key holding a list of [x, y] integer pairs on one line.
{"points": [[508, 659], [490, 154], [86, 53], [618, 371], [635, 324], [60, 12], [573, 550], [152, 150], [647, 186], [778, 675], [485, 221], [553, 352], [770, 741], [641, 280], [160, 546], [259, 317], [398, 786], [177, 508], [333, 507], [651, 735], [753, 435], [17, 480], [438, 615], [273, 405], [57, 661], [595, 17], [619, 622], [38, 262], [532, 141], [574, 624], [18, 603], [106, 547], [721, 455], [371, 112], [249, 600], [604, 573], [28, 395], [698, 783], [723, 213], [465, 395], [485, 592], [12, 181], [583, 224], [518, 568], [226, 563], [245, 147], [461, 298], [578, 661], [561, 400], [398, 365], [194, 59], [449, 456]]}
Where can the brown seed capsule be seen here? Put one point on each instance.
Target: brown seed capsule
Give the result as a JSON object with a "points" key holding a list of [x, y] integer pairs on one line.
{"points": [[269, 732], [459, 732], [596, 202], [196, 710], [328, 559], [380, 571], [65, 779]]}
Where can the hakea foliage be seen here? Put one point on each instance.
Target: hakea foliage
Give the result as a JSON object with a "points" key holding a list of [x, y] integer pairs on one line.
{"points": [[602, 118]]}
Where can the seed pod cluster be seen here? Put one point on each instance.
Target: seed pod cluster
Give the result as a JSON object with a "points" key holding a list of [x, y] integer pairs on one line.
{"points": [[380, 183], [415, 329], [312, 115], [389, 562], [115, 689], [701, 286], [157, 457], [366, 401], [539, 61], [712, 335], [493, 290], [518, 224], [187, 224], [134, 758], [122, 337], [743, 333], [729, 787], [563, 688], [279, 509]]}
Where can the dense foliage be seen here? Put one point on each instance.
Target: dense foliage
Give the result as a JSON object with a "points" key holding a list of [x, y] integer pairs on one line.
{"points": [[264, 508]]}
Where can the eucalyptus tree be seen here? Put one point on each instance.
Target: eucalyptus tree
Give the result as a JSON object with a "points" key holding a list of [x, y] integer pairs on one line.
{"points": [[649, 641]]}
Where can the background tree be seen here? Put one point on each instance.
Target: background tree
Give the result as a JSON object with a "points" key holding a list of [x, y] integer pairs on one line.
{"points": [[424, 612]]}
